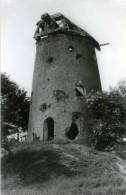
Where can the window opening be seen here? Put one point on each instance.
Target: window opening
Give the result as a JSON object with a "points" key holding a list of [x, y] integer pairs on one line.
{"points": [[70, 48], [80, 89], [50, 59]]}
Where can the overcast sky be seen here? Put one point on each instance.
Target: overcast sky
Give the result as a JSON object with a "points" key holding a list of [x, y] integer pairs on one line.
{"points": [[105, 20]]}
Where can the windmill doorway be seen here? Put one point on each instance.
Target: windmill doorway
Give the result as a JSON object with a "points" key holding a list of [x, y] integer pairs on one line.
{"points": [[48, 129]]}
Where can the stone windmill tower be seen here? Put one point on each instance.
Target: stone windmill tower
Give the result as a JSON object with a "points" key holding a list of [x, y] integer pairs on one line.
{"points": [[65, 68]]}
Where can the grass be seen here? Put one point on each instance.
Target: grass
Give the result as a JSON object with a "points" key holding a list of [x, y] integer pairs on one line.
{"points": [[120, 150], [60, 169]]}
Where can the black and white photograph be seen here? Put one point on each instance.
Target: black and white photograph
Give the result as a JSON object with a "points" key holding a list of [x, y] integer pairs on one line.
{"points": [[63, 97]]}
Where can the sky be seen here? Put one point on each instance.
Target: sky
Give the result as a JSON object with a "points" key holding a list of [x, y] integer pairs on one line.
{"points": [[104, 20]]}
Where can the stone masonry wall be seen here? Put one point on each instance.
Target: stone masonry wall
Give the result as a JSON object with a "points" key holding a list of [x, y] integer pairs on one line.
{"points": [[61, 61]]}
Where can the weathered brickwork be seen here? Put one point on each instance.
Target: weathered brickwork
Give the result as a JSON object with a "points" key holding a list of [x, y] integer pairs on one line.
{"points": [[62, 60]]}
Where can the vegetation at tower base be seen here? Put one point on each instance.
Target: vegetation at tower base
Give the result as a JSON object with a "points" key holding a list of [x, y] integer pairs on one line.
{"points": [[14, 107], [107, 116]]}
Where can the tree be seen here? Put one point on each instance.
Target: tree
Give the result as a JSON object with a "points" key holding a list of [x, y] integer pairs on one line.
{"points": [[107, 117], [122, 87], [14, 106]]}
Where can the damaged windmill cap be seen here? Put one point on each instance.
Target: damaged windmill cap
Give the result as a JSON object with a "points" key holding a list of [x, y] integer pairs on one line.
{"points": [[58, 23]]}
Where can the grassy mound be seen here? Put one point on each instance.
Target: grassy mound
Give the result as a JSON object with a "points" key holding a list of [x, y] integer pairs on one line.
{"points": [[60, 169]]}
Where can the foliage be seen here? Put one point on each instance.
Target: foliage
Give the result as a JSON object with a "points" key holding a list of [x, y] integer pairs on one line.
{"points": [[107, 117], [14, 106], [122, 87]]}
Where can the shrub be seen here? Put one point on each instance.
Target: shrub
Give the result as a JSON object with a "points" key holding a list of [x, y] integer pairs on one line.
{"points": [[107, 116]]}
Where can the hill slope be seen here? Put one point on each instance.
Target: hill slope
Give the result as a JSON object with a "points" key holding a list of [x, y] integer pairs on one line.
{"points": [[61, 169]]}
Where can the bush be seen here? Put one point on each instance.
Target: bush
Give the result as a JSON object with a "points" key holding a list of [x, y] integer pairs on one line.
{"points": [[107, 116], [14, 107]]}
